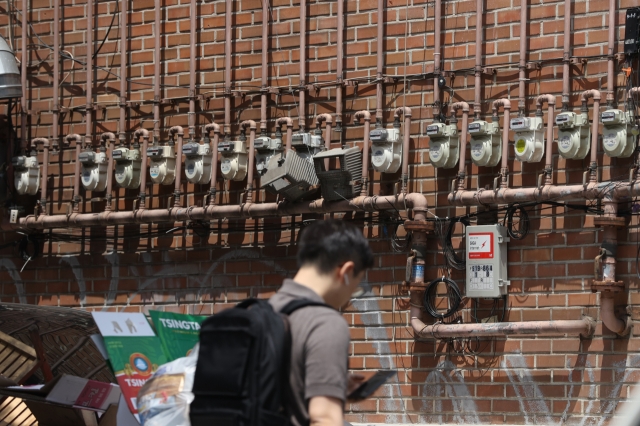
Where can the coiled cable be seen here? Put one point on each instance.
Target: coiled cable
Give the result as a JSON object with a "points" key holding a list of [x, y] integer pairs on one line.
{"points": [[520, 228], [453, 295]]}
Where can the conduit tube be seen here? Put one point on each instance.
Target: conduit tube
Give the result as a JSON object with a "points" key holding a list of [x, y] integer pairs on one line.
{"points": [[551, 104], [477, 107], [437, 102], [289, 123], [88, 137], [380, 66], [227, 68], [414, 201], [143, 165], [463, 136], [56, 74], [156, 81], [180, 132], [213, 127], [522, 65], [610, 57], [192, 80], [327, 136], [252, 156], [123, 80], [595, 120], [109, 140], [339, 67], [45, 170], [24, 143], [406, 111], [566, 57], [76, 171], [504, 167], [366, 116], [303, 64]]}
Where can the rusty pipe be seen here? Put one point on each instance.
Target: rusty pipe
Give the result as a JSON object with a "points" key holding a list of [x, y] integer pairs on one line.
{"points": [[463, 137], [551, 104], [252, 156], [76, 171], [437, 34], [56, 74], [608, 315], [366, 116], [45, 171], [327, 138], [302, 119], [192, 75], [595, 121], [227, 67], [380, 65], [522, 64], [289, 123], [477, 106], [123, 76], [611, 78], [566, 57], [144, 133], [265, 68], [88, 137], [156, 76], [180, 132], [109, 140], [504, 168], [339, 67], [406, 112], [24, 143], [215, 128]]}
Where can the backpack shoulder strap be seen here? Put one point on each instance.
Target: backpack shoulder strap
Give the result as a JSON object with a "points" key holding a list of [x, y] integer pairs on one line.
{"points": [[294, 305]]}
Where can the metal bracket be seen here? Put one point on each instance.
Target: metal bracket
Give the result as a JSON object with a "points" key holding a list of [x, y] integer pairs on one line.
{"points": [[489, 70], [604, 286], [132, 104], [534, 65], [618, 222], [419, 226]]}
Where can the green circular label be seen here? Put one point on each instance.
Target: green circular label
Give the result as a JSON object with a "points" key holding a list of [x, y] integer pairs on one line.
{"points": [[520, 146]]}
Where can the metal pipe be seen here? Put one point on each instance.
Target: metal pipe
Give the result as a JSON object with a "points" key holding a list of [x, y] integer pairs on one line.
{"points": [[406, 112], [566, 57], [45, 171], [463, 136], [109, 140], [265, 68], [522, 65], [437, 33], [339, 67], [477, 106], [551, 104], [143, 165], [213, 127], [123, 79], [192, 76], [608, 314], [289, 123], [24, 143], [302, 119], [366, 116], [504, 168], [180, 132], [610, 57], [252, 156], [380, 66], [88, 137], [76, 181], [156, 76], [595, 121], [56, 73], [227, 68], [327, 138], [413, 201]]}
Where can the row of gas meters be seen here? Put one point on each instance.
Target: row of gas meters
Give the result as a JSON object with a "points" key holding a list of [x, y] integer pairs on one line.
{"points": [[574, 135]]}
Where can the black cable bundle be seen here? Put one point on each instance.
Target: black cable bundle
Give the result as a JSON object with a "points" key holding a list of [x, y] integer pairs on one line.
{"points": [[453, 294], [451, 257], [521, 229]]}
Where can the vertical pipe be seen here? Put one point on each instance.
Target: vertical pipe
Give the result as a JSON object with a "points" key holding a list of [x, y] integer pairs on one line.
{"points": [[380, 65], [463, 138], [504, 167], [339, 67], [214, 160], [192, 76], [176, 193], [227, 68], [156, 74], [76, 171], [406, 111], [56, 72], [436, 59], [24, 144], [88, 137], [551, 103], [252, 156], [327, 138], [302, 119], [595, 94], [522, 66], [265, 67], [286, 120], [45, 171], [478, 69], [610, 58], [123, 71], [366, 116], [143, 165], [566, 56]]}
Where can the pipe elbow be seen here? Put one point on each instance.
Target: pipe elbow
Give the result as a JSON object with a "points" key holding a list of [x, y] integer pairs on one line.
{"points": [[212, 127], [73, 137], [108, 136], [176, 130], [43, 141], [323, 117], [634, 91], [459, 106], [549, 99], [593, 93], [141, 132], [505, 103], [365, 115], [284, 120], [406, 111], [417, 202], [248, 123], [609, 318]]}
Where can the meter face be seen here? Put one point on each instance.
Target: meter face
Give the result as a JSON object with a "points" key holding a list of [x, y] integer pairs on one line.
{"points": [[520, 124]]}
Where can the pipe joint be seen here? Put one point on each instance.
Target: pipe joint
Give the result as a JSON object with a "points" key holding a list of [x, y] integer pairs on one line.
{"points": [[406, 111], [41, 141], [365, 115], [176, 130], [323, 117], [248, 123], [549, 99]]}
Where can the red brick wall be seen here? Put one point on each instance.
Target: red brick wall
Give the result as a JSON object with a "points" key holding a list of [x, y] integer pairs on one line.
{"points": [[515, 380]]}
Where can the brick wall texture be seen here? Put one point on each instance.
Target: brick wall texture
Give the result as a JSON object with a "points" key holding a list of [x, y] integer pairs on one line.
{"points": [[204, 268]]}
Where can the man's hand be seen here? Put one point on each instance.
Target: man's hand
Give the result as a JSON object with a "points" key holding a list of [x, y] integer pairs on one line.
{"points": [[355, 380]]}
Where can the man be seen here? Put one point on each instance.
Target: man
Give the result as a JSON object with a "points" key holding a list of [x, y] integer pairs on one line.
{"points": [[332, 259]]}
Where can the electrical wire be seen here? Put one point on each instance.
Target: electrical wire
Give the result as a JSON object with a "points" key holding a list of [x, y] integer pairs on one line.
{"points": [[454, 298], [520, 229]]}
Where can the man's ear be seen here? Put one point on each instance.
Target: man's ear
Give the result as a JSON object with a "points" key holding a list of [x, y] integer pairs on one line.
{"points": [[346, 270]]}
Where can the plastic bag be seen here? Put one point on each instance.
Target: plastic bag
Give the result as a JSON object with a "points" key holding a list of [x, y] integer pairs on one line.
{"points": [[164, 399]]}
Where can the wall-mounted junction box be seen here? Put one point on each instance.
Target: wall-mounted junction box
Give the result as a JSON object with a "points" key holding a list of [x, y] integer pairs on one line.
{"points": [[487, 261]]}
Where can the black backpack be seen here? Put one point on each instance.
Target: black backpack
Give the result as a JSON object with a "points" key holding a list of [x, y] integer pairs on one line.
{"points": [[242, 374]]}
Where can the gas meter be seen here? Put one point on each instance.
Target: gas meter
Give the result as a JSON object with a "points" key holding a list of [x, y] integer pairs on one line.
{"points": [[163, 164], [486, 261], [619, 133], [234, 159], [444, 147], [386, 149], [529, 143], [197, 162], [265, 149], [573, 135], [26, 174], [94, 170], [128, 164], [486, 147], [307, 144]]}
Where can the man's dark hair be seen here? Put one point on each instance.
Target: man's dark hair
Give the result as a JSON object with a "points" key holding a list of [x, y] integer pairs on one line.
{"points": [[327, 244]]}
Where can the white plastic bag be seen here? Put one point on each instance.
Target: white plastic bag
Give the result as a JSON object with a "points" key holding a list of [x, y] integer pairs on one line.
{"points": [[165, 397]]}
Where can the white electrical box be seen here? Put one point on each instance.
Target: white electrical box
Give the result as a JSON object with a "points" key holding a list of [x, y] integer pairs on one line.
{"points": [[619, 134], [128, 163], [486, 143], [444, 146], [26, 175], [265, 149], [486, 261], [386, 150], [197, 162], [529, 138], [573, 135], [162, 167], [94, 170], [233, 164], [307, 145]]}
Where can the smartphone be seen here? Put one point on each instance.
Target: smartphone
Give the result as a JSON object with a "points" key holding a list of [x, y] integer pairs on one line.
{"points": [[367, 389]]}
